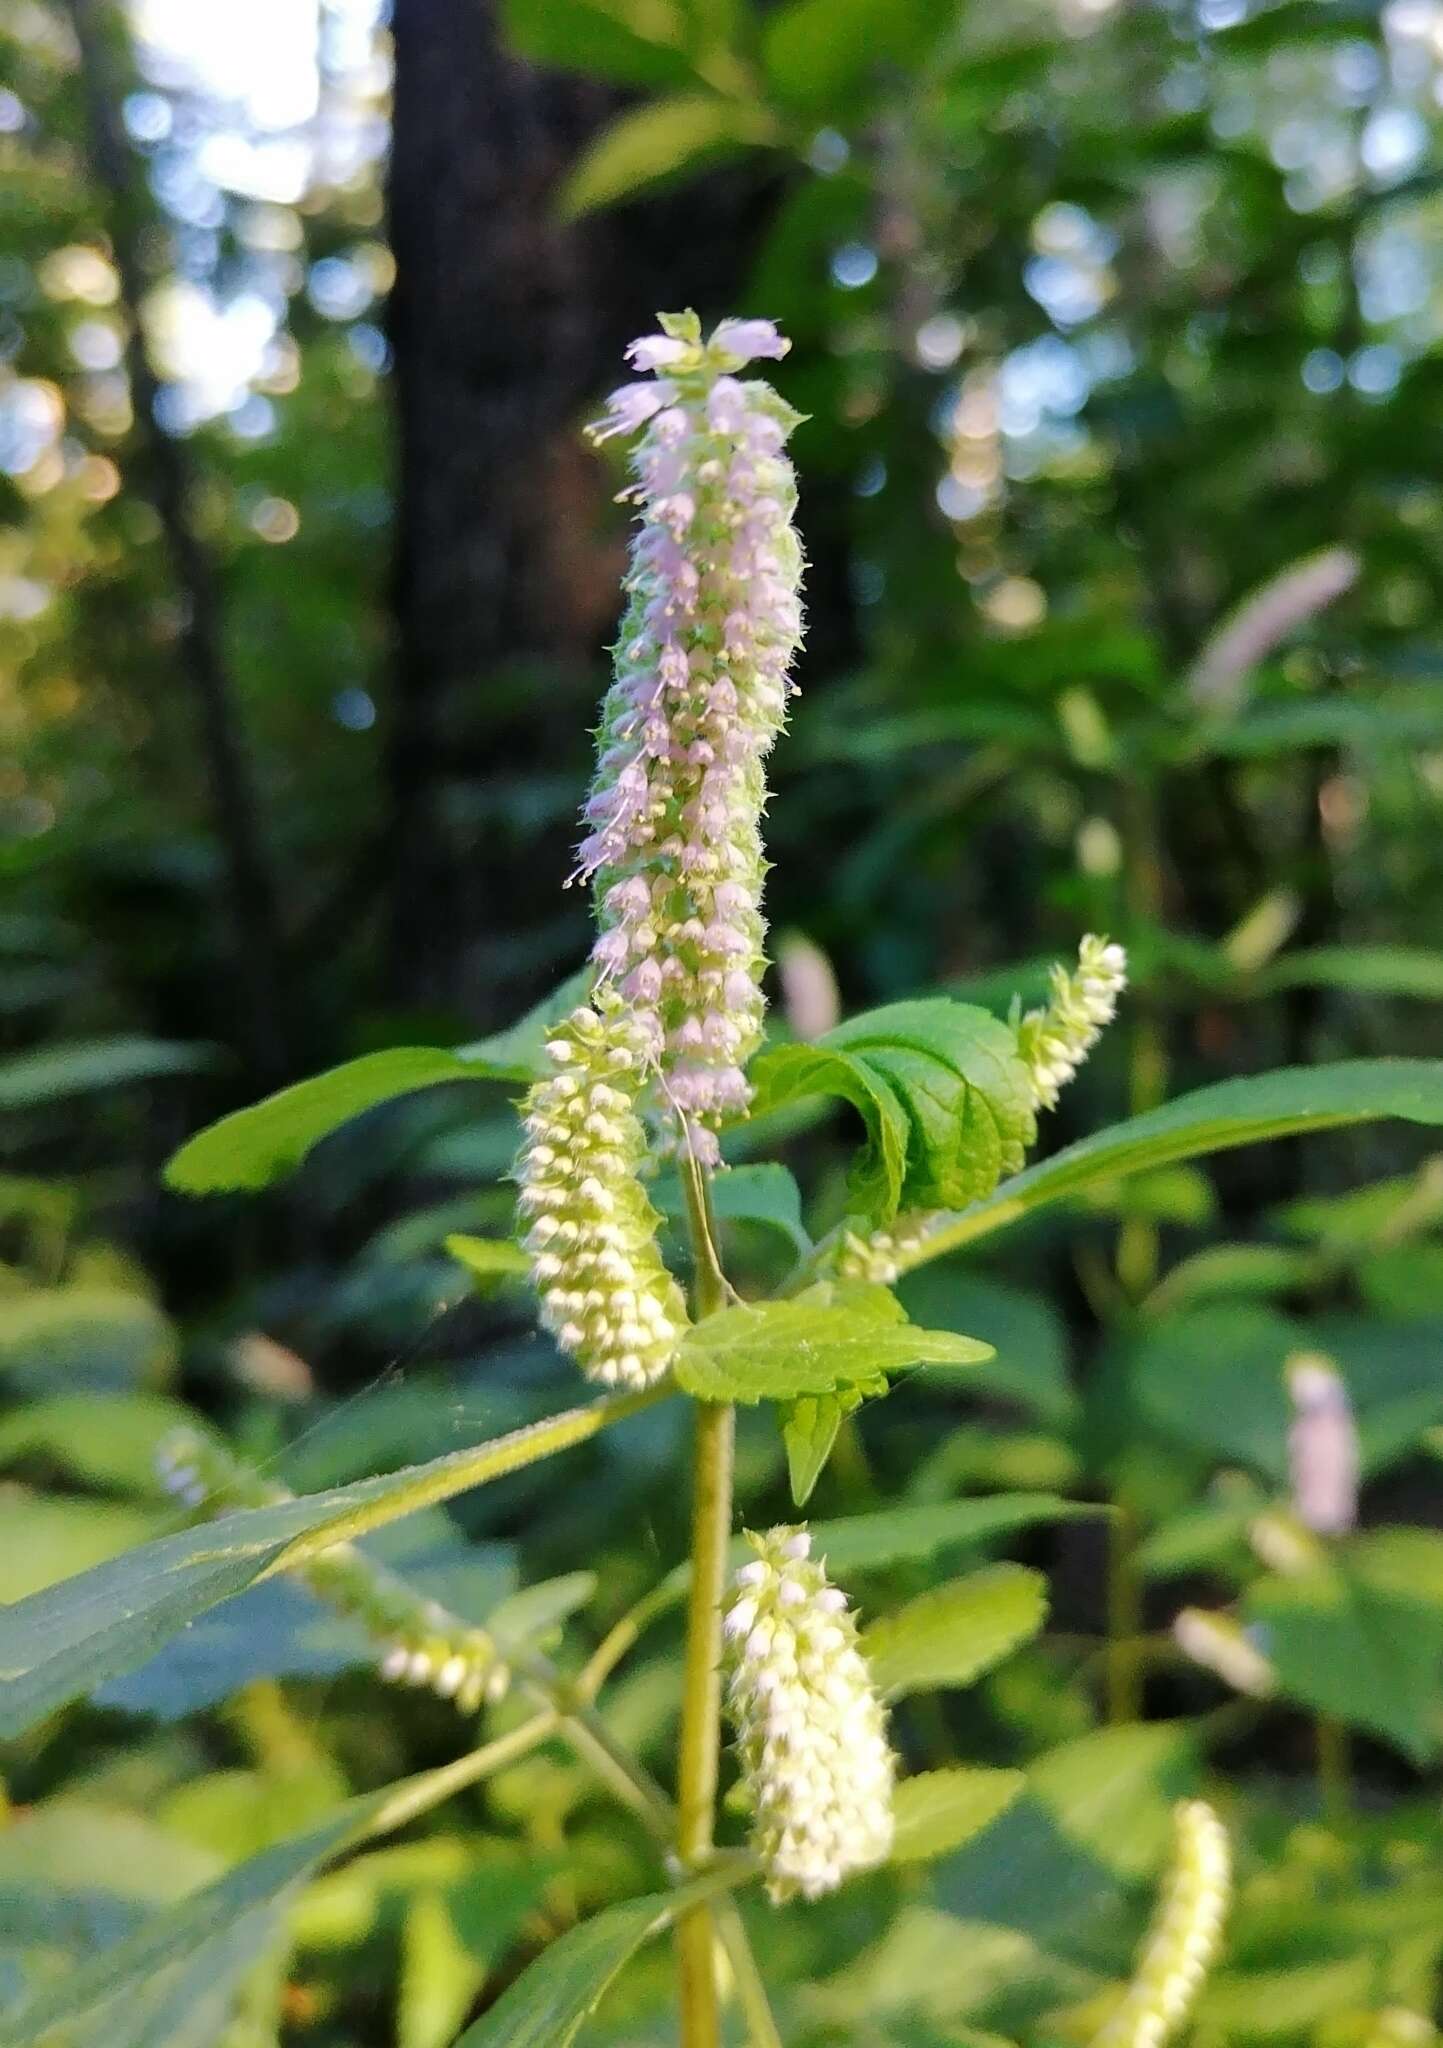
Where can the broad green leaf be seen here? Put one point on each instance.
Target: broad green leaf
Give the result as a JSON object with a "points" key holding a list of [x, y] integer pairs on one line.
{"points": [[1111, 1792], [132, 1984], [1392, 719], [439, 1975], [899, 1535], [1360, 1637], [547, 2005], [1362, 970], [46, 1536], [634, 42], [106, 1439], [253, 1147], [488, 1258], [940, 1088], [1231, 1271], [1212, 1378], [63, 1642], [952, 1634], [1288, 2003], [819, 51], [32, 1079], [657, 141], [1030, 1343], [792, 1073], [809, 1429], [519, 1052], [937, 1811], [1241, 1112], [65, 1339], [823, 1340]]}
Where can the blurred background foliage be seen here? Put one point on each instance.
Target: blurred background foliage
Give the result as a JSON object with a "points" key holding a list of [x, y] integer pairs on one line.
{"points": [[1120, 332]]}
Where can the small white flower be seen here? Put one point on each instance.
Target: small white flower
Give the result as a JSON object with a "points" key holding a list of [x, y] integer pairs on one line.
{"points": [[810, 1726]]}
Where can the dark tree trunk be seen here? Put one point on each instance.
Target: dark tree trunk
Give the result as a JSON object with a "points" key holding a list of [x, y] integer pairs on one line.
{"points": [[505, 324]]}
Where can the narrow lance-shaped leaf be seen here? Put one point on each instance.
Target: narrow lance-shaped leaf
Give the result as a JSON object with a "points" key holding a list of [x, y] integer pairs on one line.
{"points": [[62, 1642], [1242, 1112], [255, 1146], [123, 1982]]}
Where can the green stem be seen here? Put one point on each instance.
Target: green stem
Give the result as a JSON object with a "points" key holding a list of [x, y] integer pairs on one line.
{"points": [[1335, 1777], [1124, 1620], [700, 1751]]}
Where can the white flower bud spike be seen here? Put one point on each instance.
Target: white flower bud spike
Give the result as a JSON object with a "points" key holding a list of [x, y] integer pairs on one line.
{"points": [[810, 1726], [1184, 1939], [1054, 1042], [606, 1296]]}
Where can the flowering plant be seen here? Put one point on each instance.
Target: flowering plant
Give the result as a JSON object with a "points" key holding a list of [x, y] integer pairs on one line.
{"points": [[641, 1079]]}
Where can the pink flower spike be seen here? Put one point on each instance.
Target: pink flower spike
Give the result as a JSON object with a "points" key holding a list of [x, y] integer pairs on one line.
{"points": [[750, 339]]}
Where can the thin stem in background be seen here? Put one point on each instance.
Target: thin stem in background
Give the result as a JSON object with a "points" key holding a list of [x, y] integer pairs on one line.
{"points": [[712, 1462]]}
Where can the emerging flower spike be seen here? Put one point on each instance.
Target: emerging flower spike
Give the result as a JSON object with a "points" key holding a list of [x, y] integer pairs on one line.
{"points": [[1220, 1645], [700, 693], [1322, 1446], [883, 1256], [605, 1295], [1054, 1042], [810, 1727], [1181, 1947], [422, 1642]]}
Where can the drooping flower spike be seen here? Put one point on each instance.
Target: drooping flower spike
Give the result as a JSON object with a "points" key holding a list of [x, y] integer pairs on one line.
{"points": [[419, 1642], [700, 692], [605, 1294], [810, 1726], [1184, 1939], [1055, 1041]]}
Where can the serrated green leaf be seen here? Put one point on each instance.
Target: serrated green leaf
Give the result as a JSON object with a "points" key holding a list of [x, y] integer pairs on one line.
{"points": [[791, 1073], [809, 1429], [953, 1633], [1242, 1112], [657, 141], [937, 1811], [252, 1147], [823, 1340], [940, 1088], [63, 1642]]}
